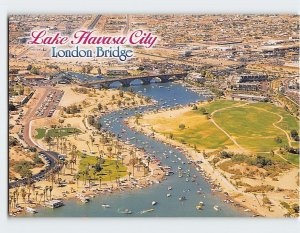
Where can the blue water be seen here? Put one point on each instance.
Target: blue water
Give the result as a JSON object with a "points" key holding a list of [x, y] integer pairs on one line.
{"points": [[140, 199]]}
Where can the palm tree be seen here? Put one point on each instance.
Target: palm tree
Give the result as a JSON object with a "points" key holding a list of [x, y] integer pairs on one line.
{"points": [[100, 181], [17, 196], [77, 176], [48, 140], [110, 173], [109, 149], [92, 140], [50, 190], [65, 163], [88, 144], [148, 161], [41, 196], [52, 177], [45, 193], [28, 196], [23, 194], [36, 195], [89, 179]]}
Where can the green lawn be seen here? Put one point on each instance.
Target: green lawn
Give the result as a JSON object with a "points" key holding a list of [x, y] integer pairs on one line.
{"points": [[292, 158], [250, 125], [61, 132], [215, 105], [40, 133], [108, 165], [288, 123], [198, 130]]}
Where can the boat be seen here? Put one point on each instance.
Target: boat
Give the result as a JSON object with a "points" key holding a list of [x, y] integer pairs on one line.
{"points": [[30, 210], [217, 208], [105, 206], [180, 174], [83, 198], [146, 211], [183, 198], [187, 179], [125, 211], [200, 205], [54, 204], [170, 188], [153, 202], [168, 194]]}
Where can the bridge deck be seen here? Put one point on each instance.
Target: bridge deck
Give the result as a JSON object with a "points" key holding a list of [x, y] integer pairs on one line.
{"points": [[111, 80]]}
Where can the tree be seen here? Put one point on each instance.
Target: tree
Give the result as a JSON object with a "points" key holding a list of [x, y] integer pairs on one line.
{"points": [[88, 144], [98, 167], [278, 140], [100, 107], [11, 107], [99, 71], [50, 190], [295, 135], [181, 126], [48, 140]]}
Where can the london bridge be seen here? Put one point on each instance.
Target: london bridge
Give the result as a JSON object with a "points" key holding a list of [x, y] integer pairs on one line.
{"points": [[125, 81]]}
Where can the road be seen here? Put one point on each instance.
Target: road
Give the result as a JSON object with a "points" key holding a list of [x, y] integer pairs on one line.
{"points": [[50, 156], [95, 21]]}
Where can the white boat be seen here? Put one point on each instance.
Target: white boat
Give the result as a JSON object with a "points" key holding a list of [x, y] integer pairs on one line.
{"points": [[146, 211], [54, 204], [170, 188], [125, 211], [168, 194], [183, 198], [105, 206], [217, 208], [30, 210], [83, 198], [153, 202]]}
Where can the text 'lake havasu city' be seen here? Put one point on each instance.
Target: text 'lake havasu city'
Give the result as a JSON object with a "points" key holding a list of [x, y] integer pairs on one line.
{"points": [[85, 37]]}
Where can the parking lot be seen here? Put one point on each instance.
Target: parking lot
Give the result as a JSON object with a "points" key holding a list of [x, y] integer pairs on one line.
{"points": [[50, 103]]}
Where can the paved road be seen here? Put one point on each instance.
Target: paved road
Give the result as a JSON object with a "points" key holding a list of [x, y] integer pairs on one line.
{"points": [[50, 156], [95, 21]]}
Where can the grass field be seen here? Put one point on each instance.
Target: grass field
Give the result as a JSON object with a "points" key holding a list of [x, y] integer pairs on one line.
{"points": [[251, 125], [292, 158], [198, 130], [111, 169], [62, 132], [40, 133], [288, 123]]}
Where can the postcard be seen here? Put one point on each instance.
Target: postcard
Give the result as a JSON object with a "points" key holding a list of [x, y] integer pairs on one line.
{"points": [[157, 115]]}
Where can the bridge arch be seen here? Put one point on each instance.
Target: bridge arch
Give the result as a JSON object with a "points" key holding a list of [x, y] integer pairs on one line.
{"points": [[136, 82], [155, 80], [115, 84]]}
